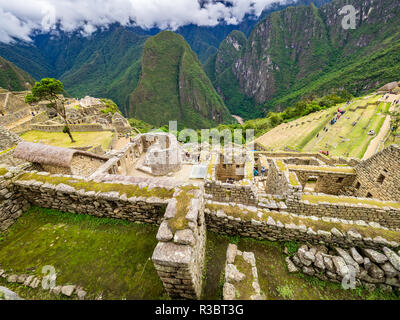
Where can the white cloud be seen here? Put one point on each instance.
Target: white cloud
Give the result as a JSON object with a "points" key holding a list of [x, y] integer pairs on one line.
{"points": [[19, 18]]}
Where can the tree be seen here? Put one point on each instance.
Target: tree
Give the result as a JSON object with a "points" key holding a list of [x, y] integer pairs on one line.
{"points": [[51, 90]]}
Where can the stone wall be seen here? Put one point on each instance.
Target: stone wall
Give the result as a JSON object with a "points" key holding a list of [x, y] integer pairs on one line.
{"points": [[8, 139], [73, 127], [109, 204], [330, 161], [85, 166], [273, 230], [370, 268], [179, 255], [379, 176], [386, 216], [10, 118], [12, 202], [279, 182], [328, 182], [234, 193]]}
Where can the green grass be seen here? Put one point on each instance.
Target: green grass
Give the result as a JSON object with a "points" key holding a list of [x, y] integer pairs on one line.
{"points": [[59, 139], [3, 171], [128, 190], [345, 140], [244, 288], [105, 256], [293, 180], [275, 281], [8, 150]]}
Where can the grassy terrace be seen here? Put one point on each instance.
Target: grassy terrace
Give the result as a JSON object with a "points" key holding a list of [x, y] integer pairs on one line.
{"points": [[275, 281], [244, 288], [59, 139], [236, 212], [347, 170], [8, 150], [293, 180], [105, 256], [128, 190], [3, 171], [350, 200], [281, 165]]}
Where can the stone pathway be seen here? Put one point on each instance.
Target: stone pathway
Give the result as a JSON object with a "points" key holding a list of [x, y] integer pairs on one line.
{"points": [[374, 144]]}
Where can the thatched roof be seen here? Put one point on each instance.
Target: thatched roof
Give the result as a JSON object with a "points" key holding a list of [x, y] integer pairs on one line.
{"points": [[45, 154]]}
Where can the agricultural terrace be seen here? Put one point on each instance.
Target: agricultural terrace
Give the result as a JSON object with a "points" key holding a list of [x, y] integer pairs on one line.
{"points": [[59, 139], [348, 137]]}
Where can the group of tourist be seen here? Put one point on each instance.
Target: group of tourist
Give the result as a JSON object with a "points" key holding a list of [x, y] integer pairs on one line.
{"points": [[189, 156], [263, 171], [340, 113]]}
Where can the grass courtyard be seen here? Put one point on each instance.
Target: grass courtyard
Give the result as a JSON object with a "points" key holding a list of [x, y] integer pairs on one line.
{"points": [[59, 139], [104, 256]]}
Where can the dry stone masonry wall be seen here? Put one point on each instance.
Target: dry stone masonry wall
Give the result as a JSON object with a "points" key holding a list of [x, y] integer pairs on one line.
{"points": [[379, 176], [179, 255], [384, 215], [353, 267], [109, 204], [268, 226], [12, 202]]}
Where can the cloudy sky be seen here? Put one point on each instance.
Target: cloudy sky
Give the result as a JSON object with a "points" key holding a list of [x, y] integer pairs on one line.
{"points": [[19, 18]]}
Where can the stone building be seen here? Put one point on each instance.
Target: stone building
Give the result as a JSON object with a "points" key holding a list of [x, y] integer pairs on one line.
{"points": [[231, 165], [58, 160], [379, 176]]}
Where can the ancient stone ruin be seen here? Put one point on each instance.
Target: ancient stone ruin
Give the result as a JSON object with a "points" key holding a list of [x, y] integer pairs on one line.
{"points": [[346, 211]]}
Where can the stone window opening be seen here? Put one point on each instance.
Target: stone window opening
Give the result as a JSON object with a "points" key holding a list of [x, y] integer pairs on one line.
{"points": [[369, 195], [358, 185], [340, 180], [381, 179]]}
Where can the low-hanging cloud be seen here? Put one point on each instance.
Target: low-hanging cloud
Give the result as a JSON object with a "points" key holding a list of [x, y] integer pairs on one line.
{"points": [[20, 18]]}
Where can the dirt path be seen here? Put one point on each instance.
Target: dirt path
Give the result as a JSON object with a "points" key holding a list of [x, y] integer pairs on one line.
{"points": [[121, 143], [374, 145], [238, 119]]}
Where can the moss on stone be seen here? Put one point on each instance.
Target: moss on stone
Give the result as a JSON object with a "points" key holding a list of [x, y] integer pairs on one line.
{"points": [[244, 287], [293, 180], [350, 200], [236, 212], [325, 169], [128, 190], [281, 165], [179, 222], [3, 171]]}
